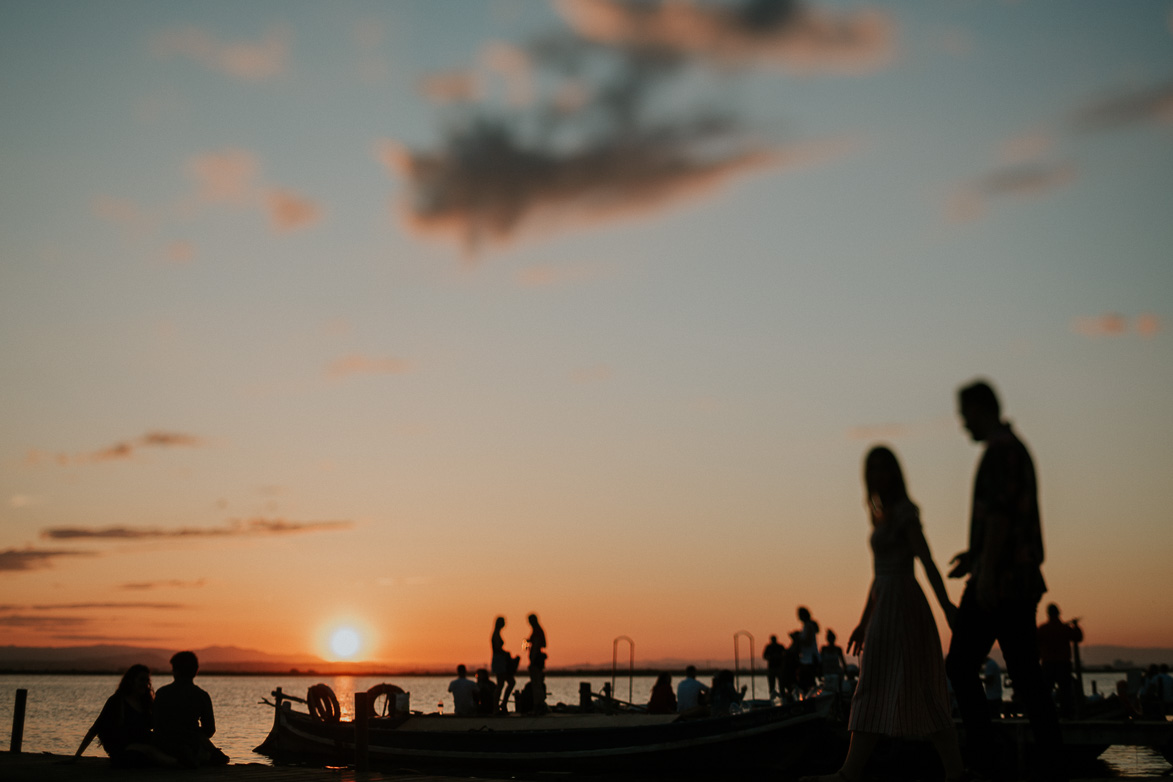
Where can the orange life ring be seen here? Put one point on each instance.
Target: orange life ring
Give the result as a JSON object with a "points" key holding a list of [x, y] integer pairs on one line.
{"points": [[323, 703], [387, 690]]}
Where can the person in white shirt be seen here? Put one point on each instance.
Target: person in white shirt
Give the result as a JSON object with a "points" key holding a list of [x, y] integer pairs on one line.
{"points": [[464, 692], [689, 691]]}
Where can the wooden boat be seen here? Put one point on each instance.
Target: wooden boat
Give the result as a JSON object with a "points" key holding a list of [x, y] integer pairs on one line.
{"points": [[769, 737]]}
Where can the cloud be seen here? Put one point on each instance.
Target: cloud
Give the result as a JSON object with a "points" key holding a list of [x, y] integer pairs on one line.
{"points": [[584, 151], [455, 86], [142, 586], [1028, 179], [42, 622], [103, 606], [1126, 107], [248, 60], [35, 559], [237, 528], [1113, 324], [232, 176], [122, 212], [485, 185], [128, 448], [228, 176], [780, 33], [356, 364], [289, 211]]}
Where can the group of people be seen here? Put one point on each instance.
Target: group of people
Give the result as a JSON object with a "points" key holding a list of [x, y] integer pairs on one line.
{"points": [[172, 727], [533, 696], [902, 689], [794, 671]]}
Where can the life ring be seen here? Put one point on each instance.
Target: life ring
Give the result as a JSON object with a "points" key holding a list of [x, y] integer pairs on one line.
{"points": [[389, 691], [323, 703]]}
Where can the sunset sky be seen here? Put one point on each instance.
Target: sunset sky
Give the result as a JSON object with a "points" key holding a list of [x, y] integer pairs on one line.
{"points": [[404, 315]]}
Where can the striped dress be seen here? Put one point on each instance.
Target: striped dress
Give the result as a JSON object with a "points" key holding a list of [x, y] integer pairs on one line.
{"points": [[901, 690]]}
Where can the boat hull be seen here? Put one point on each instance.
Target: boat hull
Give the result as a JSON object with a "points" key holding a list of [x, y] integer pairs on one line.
{"points": [[769, 738]]}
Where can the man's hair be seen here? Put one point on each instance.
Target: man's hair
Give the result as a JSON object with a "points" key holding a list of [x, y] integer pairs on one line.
{"points": [[185, 664], [980, 395]]}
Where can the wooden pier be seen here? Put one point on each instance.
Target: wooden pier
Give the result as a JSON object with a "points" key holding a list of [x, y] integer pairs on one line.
{"points": [[44, 767]]}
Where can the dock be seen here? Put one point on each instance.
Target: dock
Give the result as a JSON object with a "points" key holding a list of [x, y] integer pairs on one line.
{"points": [[46, 767]]}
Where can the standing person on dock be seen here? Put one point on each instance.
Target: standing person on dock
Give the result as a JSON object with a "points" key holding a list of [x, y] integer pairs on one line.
{"points": [[123, 727], [832, 663], [504, 665], [1055, 640], [808, 650], [902, 690], [537, 663], [184, 719], [775, 656], [1004, 564]]}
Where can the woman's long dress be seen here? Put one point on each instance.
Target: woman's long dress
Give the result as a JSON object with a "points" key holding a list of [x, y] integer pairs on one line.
{"points": [[901, 690]]}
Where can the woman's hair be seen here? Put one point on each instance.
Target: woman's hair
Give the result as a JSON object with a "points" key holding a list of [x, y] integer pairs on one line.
{"points": [[126, 686], [881, 460], [804, 613], [499, 623]]}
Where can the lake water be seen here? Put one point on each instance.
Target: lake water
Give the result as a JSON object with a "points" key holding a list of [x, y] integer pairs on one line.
{"points": [[60, 709]]}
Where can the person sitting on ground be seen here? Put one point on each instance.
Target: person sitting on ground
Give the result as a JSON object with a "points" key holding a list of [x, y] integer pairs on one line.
{"points": [[690, 692], [123, 727], [486, 693], [663, 700], [184, 719], [833, 663], [464, 693], [725, 693]]}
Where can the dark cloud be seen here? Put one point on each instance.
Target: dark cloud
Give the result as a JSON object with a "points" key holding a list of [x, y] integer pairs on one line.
{"points": [[125, 449], [1027, 179], [173, 583], [42, 622], [600, 141], [1125, 108], [257, 526], [34, 559], [96, 606], [780, 33]]}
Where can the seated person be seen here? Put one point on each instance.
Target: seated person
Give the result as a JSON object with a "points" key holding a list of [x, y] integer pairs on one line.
{"points": [[123, 728], [663, 700], [725, 693], [690, 693], [184, 720], [464, 693]]}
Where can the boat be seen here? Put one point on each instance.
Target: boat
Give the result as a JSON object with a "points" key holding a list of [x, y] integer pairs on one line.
{"points": [[760, 736]]}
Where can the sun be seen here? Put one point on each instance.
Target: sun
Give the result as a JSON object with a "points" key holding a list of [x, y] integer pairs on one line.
{"points": [[345, 642]]}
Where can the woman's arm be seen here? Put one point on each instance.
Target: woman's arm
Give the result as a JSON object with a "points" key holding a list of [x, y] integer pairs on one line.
{"points": [[920, 548], [855, 643]]}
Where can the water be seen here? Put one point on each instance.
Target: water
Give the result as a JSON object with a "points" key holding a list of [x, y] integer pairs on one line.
{"points": [[60, 709]]}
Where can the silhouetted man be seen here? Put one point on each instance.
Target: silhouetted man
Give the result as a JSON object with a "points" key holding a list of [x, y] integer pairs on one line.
{"points": [[1005, 583], [184, 721], [1055, 640], [775, 656]]}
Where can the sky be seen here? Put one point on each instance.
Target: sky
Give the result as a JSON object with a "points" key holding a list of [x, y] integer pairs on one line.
{"points": [[403, 316]]}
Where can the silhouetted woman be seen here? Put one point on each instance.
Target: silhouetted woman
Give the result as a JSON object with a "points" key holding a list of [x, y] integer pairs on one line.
{"points": [[537, 662], [901, 690], [663, 700], [123, 727], [504, 665]]}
